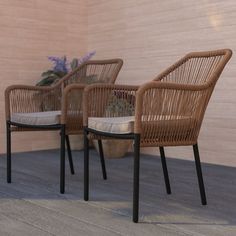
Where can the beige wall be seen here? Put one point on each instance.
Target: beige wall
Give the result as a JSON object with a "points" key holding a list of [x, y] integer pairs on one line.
{"points": [[30, 31], [148, 34], [151, 34]]}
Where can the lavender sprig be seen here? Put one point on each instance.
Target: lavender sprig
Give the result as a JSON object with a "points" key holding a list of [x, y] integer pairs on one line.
{"points": [[60, 64], [86, 57]]}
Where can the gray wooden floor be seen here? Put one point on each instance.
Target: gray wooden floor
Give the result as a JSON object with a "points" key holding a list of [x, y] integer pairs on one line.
{"points": [[32, 205]]}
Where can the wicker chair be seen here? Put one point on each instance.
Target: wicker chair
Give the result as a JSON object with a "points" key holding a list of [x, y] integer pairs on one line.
{"points": [[167, 112], [34, 108]]}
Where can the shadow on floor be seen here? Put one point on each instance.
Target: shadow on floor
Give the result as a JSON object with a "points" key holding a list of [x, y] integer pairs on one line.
{"points": [[35, 175]]}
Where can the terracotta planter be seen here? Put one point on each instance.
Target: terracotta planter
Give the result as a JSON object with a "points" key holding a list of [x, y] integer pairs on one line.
{"points": [[114, 148], [77, 142]]}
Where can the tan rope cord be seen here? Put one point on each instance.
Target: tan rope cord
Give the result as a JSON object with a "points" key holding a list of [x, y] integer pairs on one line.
{"points": [[27, 99], [168, 111]]}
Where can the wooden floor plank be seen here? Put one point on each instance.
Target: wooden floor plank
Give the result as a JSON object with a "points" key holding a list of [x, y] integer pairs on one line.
{"points": [[33, 199]]}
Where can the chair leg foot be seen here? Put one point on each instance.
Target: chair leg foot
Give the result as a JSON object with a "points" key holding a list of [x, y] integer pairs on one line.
{"points": [[62, 164], [165, 170], [104, 172], [86, 166], [70, 155], [199, 174], [8, 152], [136, 178]]}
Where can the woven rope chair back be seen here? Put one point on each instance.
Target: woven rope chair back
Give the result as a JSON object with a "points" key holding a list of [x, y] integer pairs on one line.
{"points": [[174, 109], [92, 72], [102, 71]]}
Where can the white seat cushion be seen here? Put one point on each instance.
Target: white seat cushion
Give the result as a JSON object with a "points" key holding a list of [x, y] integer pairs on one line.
{"points": [[115, 125], [125, 125], [37, 118]]}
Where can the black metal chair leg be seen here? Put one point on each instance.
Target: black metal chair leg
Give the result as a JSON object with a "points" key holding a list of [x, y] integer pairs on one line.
{"points": [[136, 177], [72, 171], [165, 170], [199, 174], [8, 152], [86, 166], [104, 172], [62, 167]]}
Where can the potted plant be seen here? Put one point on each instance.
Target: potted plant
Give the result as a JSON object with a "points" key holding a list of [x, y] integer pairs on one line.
{"points": [[117, 104], [62, 67]]}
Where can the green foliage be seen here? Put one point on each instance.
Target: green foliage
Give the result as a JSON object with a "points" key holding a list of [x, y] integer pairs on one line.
{"points": [[120, 107], [60, 68], [74, 64], [49, 77]]}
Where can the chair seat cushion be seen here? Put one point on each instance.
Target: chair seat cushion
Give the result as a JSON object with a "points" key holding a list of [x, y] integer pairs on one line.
{"points": [[166, 125], [37, 118], [115, 125]]}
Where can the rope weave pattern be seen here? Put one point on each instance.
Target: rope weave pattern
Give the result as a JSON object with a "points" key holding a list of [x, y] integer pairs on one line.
{"points": [[62, 96], [170, 109]]}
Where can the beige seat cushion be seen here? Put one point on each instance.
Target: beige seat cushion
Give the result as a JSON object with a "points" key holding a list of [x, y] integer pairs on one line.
{"points": [[123, 125], [115, 125], [37, 118]]}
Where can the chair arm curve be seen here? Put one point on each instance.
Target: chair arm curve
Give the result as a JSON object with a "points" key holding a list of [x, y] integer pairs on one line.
{"points": [[143, 97], [97, 96], [22, 98], [67, 97]]}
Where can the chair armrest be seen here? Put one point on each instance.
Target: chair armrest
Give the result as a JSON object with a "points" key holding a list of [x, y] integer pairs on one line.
{"points": [[163, 100], [99, 100], [24, 98], [72, 100]]}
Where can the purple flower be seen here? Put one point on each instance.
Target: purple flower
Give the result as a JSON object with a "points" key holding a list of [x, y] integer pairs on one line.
{"points": [[86, 57], [60, 64]]}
